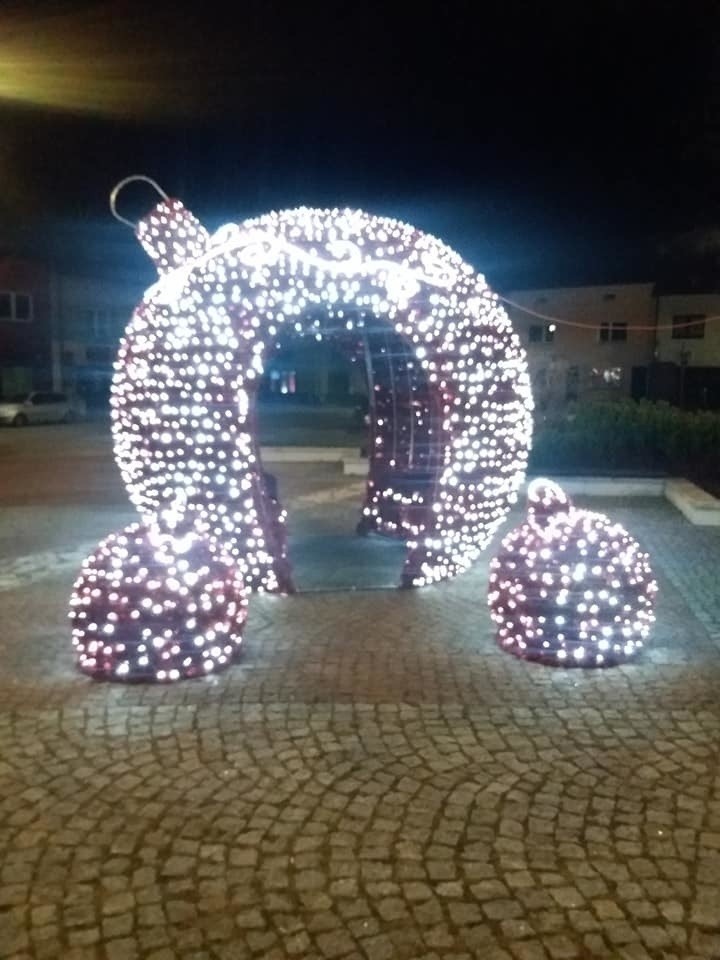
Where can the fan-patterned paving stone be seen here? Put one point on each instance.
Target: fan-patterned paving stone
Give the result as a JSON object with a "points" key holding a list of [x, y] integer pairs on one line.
{"points": [[373, 779], [333, 825]]}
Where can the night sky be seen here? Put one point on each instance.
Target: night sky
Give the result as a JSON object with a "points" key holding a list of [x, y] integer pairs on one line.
{"points": [[547, 142]]}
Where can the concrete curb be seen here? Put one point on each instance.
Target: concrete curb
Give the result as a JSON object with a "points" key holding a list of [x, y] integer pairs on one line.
{"points": [[579, 486], [355, 466], [696, 504], [699, 506], [307, 454]]}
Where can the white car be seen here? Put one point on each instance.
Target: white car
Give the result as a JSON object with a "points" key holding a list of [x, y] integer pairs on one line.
{"points": [[37, 407]]}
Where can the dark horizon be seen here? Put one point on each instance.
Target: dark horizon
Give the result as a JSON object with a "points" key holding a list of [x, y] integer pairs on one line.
{"points": [[547, 143]]}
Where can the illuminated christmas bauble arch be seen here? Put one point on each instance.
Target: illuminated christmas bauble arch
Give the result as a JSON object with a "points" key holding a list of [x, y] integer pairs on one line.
{"points": [[203, 330], [189, 365]]}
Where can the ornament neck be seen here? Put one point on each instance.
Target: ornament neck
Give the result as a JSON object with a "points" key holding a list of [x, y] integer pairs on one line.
{"points": [[545, 498], [171, 235]]}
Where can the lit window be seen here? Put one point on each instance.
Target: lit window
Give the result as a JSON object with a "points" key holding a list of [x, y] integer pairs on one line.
{"points": [[606, 376], [282, 381], [688, 326]]}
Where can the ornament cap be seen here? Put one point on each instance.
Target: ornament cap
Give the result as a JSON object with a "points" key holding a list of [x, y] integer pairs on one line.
{"points": [[171, 235], [546, 497]]}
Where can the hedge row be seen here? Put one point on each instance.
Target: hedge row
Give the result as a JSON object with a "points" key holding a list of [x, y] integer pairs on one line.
{"points": [[630, 435]]}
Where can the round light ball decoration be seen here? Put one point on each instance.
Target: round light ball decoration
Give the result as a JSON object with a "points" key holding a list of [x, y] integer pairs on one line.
{"points": [[569, 586], [188, 369], [151, 607]]}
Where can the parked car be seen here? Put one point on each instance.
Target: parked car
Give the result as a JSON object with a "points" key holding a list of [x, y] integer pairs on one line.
{"points": [[38, 407]]}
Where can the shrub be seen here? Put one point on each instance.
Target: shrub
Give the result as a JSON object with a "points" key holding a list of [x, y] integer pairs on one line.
{"points": [[629, 435]]}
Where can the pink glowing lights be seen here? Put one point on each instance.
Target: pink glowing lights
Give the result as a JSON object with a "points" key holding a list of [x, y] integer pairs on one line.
{"points": [[569, 586], [182, 402]]}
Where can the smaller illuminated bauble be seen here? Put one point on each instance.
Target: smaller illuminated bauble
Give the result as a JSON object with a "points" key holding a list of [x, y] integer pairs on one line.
{"points": [[569, 586], [148, 606]]}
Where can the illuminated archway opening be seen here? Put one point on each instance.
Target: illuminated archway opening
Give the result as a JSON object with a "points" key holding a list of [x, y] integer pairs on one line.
{"points": [[402, 438]]}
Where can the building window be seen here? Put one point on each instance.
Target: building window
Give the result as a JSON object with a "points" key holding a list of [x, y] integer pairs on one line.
{"points": [[15, 306], [613, 330], [99, 355], [537, 333], [688, 326], [100, 325], [282, 381], [572, 383], [23, 306], [606, 376], [84, 321]]}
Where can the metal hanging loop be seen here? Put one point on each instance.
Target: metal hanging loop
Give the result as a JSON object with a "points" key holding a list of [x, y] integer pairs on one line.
{"points": [[123, 183]]}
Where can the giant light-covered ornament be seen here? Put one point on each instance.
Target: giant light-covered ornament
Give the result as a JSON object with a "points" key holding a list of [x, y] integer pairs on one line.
{"points": [[152, 607], [569, 586], [188, 369]]}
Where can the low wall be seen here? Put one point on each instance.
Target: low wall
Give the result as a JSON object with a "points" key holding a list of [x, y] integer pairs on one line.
{"points": [[699, 506], [696, 504], [308, 455], [580, 486]]}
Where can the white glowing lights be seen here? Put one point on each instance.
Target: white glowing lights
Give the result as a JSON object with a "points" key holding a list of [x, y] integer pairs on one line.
{"points": [[569, 586], [189, 365], [140, 611], [191, 359]]}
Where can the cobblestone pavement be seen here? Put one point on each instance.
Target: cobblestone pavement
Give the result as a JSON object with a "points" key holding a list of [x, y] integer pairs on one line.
{"points": [[374, 779]]}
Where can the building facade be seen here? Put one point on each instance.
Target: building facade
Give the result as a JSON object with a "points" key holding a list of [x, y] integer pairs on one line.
{"points": [[92, 315], [614, 339], [25, 326], [61, 332], [686, 333], [688, 347]]}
